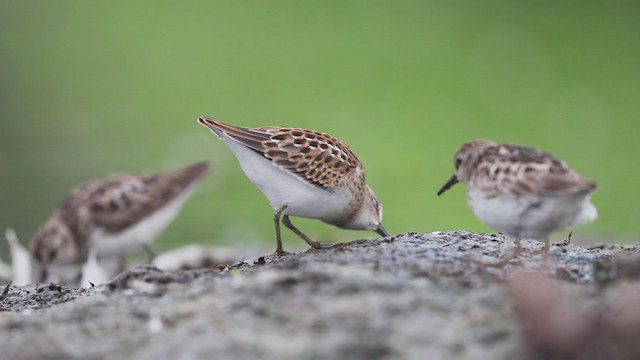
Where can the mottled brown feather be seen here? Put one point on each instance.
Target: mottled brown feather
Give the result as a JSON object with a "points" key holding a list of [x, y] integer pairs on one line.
{"points": [[113, 205], [119, 202], [318, 158], [524, 171]]}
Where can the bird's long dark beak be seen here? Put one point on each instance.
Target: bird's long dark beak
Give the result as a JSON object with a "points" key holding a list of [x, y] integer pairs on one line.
{"points": [[381, 231], [448, 185]]}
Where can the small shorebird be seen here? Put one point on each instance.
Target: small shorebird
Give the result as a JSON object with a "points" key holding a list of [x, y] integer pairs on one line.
{"points": [[304, 173], [117, 215], [521, 191]]}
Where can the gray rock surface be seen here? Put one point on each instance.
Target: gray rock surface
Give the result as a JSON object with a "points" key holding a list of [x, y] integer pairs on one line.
{"points": [[412, 296]]}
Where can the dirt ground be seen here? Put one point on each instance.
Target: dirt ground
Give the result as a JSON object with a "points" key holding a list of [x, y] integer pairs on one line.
{"points": [[412, 296]]}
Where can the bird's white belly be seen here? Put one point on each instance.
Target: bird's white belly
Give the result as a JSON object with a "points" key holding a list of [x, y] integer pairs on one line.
{"points": [[531, 217], [140, 234], [282, 188]]}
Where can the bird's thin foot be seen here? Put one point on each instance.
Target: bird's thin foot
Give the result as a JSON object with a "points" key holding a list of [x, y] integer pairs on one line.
{"points": [[566, 241], [276, 220], [319, 245], [5, 292], [314, 244], [151, 254], [281, 252]]}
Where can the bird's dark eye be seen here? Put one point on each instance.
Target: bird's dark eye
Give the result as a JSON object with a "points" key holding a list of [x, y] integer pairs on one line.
{"points": [[458, 162]]}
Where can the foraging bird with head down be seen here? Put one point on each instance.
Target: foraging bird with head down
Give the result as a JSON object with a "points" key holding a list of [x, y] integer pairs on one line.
{"points": [[118, 215], [304, 173]]}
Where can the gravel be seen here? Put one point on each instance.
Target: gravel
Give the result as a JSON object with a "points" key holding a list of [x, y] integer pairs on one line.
{"points": [[410, 296]]}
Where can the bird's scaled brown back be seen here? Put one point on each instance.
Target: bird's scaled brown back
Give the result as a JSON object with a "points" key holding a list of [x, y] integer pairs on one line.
{"points": [[119, 202], [524, 171], [318, 158], [112, 204]]}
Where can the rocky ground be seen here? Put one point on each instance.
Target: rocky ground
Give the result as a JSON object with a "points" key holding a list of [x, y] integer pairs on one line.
{"points": [[412, 296]]}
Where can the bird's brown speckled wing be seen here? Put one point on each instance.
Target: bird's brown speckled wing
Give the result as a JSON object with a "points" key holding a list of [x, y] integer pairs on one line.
{"points": [[116, 203], [524, 171], [317, 158], [112, 204]]}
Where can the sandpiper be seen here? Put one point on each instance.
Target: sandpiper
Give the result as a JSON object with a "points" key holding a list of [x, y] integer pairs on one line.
{"points": [[117, 215], [304, 173], [521, 192]]}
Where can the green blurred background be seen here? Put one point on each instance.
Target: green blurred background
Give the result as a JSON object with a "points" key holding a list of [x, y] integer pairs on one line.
{"points": [[91, 88]]}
